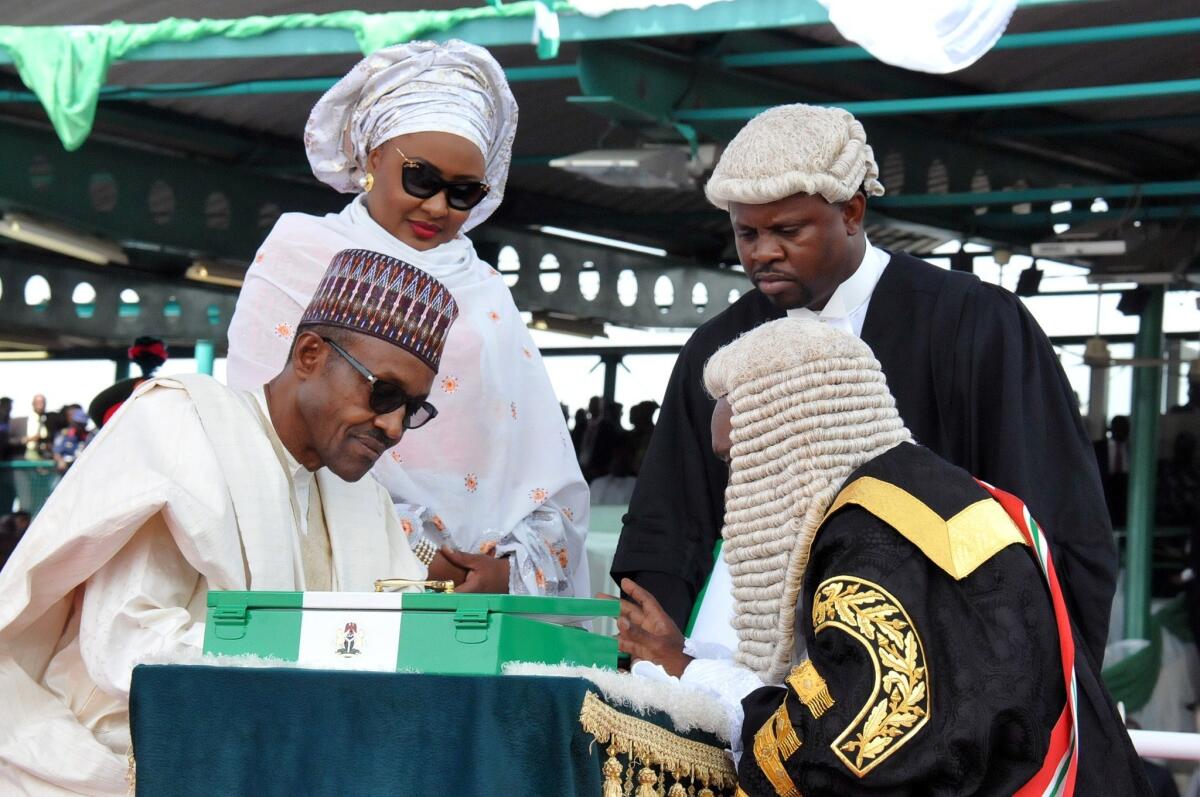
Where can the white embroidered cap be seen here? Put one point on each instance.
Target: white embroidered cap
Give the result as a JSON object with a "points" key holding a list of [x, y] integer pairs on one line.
{"points": [[795, 149]]}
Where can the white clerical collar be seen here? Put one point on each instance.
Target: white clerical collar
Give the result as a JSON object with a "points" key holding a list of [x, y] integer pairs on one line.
{"points": [[851, 296]]}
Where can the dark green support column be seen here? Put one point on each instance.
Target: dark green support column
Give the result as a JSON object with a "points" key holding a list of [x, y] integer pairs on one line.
{"points": [[205, 356], [122, 369], [1147, 381], [611, 363]]}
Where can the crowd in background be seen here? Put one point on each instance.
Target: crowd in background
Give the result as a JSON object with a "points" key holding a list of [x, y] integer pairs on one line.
{"points": [[610, 455]]}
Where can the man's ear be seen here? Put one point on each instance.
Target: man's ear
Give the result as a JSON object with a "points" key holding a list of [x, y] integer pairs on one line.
{"points": [[853, 211], [308, 354]]}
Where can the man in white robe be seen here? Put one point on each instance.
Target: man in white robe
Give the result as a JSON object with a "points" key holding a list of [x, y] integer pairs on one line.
{"points": [[193, 486]]}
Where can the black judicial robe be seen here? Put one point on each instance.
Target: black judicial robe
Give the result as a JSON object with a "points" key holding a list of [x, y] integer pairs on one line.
{"points": [[975, 379], [921, 681]]}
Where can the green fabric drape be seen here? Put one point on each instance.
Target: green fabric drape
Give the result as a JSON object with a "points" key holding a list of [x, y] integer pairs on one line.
{"points": [[200, 731], [1132, 680], [66, 66]]}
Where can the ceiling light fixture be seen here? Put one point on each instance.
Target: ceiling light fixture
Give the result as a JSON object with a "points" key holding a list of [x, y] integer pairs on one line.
{"points": [[216, 273], [56, 238]]}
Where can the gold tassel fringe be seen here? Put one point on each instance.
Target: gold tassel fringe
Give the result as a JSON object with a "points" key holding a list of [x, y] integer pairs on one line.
{"points": [[612, 776], [651, 745], [811, 688]]}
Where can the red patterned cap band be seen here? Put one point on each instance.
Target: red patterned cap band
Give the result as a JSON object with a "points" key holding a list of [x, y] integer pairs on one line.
{"points": [[379, 295]]}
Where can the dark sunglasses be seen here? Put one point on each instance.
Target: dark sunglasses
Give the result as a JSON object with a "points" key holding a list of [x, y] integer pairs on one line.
{"points": [[423, 181], [388, 396]]}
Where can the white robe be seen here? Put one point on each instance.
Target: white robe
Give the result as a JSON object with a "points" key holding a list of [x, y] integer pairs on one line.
{"points": [[183, 491]]}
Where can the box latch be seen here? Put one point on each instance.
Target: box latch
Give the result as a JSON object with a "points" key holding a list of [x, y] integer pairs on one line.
{"points": [[471, 625], [229, 622]]}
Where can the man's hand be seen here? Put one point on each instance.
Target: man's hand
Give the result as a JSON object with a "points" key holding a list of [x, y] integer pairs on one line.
{"points": [[485, 573], [645, 631], [440, 569]]}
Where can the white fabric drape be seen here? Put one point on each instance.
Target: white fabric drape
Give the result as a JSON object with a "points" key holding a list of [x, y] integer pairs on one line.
{"points": [[937, 36], [496, 469]]}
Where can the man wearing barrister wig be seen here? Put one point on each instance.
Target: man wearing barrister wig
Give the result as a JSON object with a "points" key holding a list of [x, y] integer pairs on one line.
{"points": [[974, 377], [901, 629], [193, 486]]}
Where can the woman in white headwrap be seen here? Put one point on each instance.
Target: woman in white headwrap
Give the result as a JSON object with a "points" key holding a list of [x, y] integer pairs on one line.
{"points": [[423, 133]]}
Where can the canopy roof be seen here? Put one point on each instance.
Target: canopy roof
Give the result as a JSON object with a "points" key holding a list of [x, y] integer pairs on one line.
{"points": [[1079, 100]]}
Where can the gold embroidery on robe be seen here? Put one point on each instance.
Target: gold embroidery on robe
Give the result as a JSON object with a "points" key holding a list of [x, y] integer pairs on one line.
{"points": [[958, 545], [811, 688], [766, 753], [898, 706], [785, 733]]}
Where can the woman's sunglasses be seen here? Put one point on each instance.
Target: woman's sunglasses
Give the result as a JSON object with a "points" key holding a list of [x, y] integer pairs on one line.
{"points": [[423, 181], [388, 396]]}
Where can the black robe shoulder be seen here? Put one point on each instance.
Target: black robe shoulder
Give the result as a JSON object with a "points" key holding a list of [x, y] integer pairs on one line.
{"points": [[933, 685]]}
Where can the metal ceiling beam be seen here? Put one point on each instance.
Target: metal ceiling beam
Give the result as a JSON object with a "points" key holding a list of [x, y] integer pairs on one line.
{"points": [[184, 205], [971, 102], [1075, 129], [1011, 41], [1023, 220], [675, 20], [179, 312], [980, 199], [296, 85]]}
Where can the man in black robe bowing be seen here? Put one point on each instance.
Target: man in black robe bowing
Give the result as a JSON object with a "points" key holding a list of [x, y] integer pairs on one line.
{"points": [[974, 377]]}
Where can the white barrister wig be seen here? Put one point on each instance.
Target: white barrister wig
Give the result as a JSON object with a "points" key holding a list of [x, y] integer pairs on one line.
{"points": [[795, 149]]}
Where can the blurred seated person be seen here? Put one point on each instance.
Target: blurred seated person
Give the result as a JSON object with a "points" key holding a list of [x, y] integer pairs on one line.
{"points": [[149, 354], [70, 442], [615, 487], [900, 627], [1112, 455], [195, 486]]}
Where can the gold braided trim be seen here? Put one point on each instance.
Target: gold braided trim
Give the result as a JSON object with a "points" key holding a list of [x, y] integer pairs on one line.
{"points": [[811, 688], [766, 753], [655, 746], [131, 772], [785, 733], [873, 617], [958, 545]]}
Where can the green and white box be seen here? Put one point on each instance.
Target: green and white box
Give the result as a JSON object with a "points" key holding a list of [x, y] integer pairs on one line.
{"points": [[457, 633]]}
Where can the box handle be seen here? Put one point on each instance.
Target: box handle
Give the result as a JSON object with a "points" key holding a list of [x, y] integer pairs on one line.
{"points": [[229, 622], [471, 626]]}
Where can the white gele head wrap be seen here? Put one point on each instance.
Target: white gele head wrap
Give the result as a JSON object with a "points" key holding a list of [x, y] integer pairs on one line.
{"points": [[795, 149], [419, 87]]}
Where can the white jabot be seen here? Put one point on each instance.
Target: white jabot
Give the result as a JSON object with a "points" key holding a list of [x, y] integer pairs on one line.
{"points": [[847, 307]]}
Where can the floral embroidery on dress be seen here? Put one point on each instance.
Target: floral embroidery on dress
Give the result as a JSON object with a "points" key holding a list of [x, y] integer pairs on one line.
{"points": [[396, 456], [539, 494], [438, 523], [472, 483], [487, 546], [450, 384], [283, 330], [560, 551], [513, 409], [540, 577], [407, 526], [528, 354], [568, 513], [260, 257], [494, 316]]}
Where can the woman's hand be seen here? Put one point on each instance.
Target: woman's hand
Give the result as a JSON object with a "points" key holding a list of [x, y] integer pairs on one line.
{"points": [[485, 573], [645, 631], [440, 569]]}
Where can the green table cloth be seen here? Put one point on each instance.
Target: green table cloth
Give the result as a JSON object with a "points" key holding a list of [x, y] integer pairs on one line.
{"points": [[206, 730]]}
